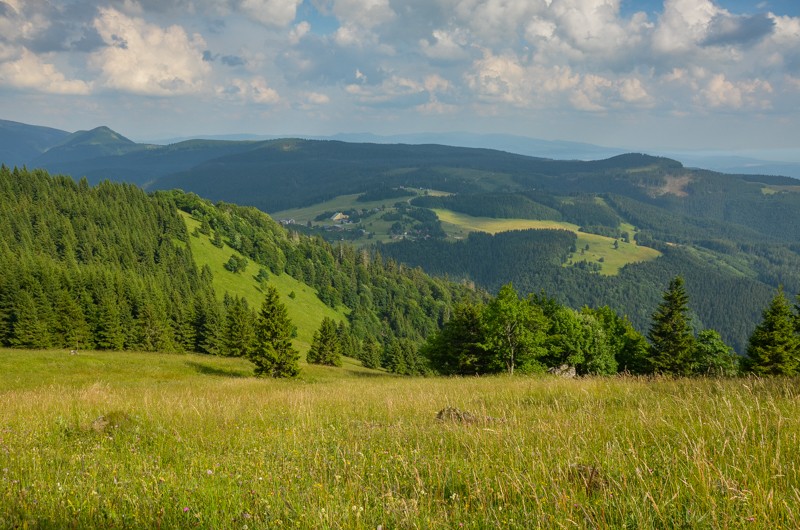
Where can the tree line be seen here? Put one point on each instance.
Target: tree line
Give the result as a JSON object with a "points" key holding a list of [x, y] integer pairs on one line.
{"points": [[513, 334]]}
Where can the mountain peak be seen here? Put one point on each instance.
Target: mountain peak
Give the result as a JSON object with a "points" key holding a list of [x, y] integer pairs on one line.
{"points": [[83, 145]]}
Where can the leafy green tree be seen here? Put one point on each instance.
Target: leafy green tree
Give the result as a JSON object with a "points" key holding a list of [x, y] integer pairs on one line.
{"points": [[671, 337], [272, 352], [598, 352], [515, 331], [774, 347], [576, 339], [629, 347], [713, 357], [325, 347], [458, 349], [402, 357], [236, 264]]}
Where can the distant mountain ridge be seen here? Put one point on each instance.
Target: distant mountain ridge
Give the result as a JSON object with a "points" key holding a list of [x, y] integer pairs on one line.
{"points": [[20, 143]]}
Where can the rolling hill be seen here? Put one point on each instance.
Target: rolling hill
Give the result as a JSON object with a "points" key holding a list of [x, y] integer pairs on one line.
{"points": [[643, 218]]}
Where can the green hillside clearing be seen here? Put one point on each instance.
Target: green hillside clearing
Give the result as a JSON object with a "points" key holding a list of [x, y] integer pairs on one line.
{"points": [[458, 225], [305, 309]]}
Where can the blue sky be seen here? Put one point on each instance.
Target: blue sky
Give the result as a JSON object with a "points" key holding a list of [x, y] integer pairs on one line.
{"points": [[640, 74]]}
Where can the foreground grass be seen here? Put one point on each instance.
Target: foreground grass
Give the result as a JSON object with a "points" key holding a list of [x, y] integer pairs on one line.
{"points": [[147, 440]]}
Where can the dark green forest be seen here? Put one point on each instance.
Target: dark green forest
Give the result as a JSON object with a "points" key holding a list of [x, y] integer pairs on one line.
{"points": [[109, 267]]}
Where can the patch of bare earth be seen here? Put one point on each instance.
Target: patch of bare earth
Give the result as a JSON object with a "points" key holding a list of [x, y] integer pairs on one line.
{"points": [[672, 185]]}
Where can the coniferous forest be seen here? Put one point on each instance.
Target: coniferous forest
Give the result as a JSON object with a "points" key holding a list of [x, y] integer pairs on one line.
{"points": [[110, 267]]}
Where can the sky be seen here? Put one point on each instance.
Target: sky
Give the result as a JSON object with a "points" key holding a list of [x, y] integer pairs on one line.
{"points": [[643, 74]]}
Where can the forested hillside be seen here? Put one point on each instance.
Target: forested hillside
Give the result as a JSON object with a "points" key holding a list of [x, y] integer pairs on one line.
{"points": [[109, 267], [734, 238]]}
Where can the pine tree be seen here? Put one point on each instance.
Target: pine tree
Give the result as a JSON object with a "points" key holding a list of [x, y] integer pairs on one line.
{"points": [[774, 347], [272, 352], [671, 338], [239, 333], [325, 347], [371, 353]]}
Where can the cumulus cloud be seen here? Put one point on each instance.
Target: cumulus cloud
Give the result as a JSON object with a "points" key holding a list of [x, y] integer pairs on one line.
{"points": [[315, 98], [724, 30], [445, 45], [143, 58], [721, 92], [363, 13], [30, 72], [278, 13], [684, 24], [255, 90]]}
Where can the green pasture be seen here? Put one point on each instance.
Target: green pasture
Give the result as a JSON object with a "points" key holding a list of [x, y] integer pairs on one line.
{"points": [[130, 440], [601, 249], [305, 310]]}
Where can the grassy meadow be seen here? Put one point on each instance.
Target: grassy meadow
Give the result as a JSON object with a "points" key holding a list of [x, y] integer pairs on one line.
{"points": [[459, 225], [305, 309], [129, 440]]}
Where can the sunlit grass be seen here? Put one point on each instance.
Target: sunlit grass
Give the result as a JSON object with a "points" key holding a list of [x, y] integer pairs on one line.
{"points": [[601, 249], [149, 440], [305, 309]]}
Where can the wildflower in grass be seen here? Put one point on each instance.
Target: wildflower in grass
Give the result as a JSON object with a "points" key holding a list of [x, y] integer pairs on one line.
{"points": [[185, 509]]}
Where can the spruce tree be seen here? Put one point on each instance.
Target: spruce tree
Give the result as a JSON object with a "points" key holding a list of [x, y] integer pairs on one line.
{"points": [[774, 348], [325, 347], [671, 338], [239, 333], [272, 352]]}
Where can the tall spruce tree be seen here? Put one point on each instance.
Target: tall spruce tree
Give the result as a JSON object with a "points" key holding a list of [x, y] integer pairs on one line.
{"points": [[671, 338], [774, 347], [325, 347], [272, 352]]}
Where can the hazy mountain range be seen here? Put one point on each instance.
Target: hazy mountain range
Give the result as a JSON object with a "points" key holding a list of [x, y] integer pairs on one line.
{"points": [[26, 144]]}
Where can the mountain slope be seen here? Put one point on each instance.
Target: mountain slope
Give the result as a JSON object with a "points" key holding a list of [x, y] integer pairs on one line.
{"points": [[20, 143], [84, 145]]}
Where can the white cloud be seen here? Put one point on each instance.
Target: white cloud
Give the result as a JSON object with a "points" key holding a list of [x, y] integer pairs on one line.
{"points": [[721, 92], [392, 89], [276, 13], [255, 90], [143, 58], [298, 32], [683, 24], [446, 45], [316, 98], [30, 72], [363, 13], [499, 79]]}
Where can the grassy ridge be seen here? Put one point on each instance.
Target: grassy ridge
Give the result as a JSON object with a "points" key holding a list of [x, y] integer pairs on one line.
{"points": [[148, 440], [305, 310]]}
